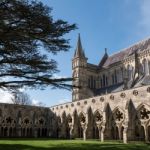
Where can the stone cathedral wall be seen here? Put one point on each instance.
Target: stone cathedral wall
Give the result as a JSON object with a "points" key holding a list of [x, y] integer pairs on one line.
{"points": [[121, 115]]}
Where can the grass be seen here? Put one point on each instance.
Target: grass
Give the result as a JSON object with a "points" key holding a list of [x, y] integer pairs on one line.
{"points": [[47, 144]]}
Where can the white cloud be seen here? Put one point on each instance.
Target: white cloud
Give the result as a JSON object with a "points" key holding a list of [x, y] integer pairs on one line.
{"points": [[5, 97], [37, 103]]}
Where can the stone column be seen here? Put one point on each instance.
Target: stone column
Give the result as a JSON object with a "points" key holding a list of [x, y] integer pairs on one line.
{"points": [[71, 131], [146, 134], [84, 127], [125, 136], [19, 132], [99, 130], [84, 134], [35, 132], [119, 130], [102, 133]]}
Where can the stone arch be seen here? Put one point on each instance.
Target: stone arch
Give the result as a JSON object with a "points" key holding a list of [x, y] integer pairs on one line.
{"points": [[41, 121], [58, 126], [10, 120], [117, 123], [76, 123], [82, 120], [68, 124], [98, 116], [82, 117], [143, 111], [26, 121], [118, 114]]}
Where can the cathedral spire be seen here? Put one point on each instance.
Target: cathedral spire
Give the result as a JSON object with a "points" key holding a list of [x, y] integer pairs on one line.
{"points": [[79, 50]]}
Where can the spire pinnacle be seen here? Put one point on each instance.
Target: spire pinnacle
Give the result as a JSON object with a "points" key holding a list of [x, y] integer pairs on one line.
{"points": [[79, 50], [105, 50]]}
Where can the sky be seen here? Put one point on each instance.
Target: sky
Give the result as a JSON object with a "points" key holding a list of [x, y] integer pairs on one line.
{"points": [[111, 24]]}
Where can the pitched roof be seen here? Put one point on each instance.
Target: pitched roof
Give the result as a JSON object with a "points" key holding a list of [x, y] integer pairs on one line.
{"points": [[140, 46]]}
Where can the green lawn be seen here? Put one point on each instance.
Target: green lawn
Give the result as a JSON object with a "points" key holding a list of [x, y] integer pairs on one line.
{"points": [[46, 144]]}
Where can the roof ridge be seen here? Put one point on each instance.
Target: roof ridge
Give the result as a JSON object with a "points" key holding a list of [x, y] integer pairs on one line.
{"points": [[132, 45]]}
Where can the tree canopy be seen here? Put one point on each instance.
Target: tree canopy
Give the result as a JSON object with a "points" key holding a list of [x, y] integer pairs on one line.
{"points": [[21, 98], [28, 37]]}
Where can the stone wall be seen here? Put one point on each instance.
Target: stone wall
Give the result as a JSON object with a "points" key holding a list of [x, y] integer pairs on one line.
{"points": [[25, 121], [121, 115]]}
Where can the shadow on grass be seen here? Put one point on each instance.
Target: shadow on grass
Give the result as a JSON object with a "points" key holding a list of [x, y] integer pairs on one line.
{"points": [[79, 146]]}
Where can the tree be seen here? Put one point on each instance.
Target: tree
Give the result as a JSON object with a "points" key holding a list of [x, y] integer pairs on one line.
{"points": [[29, 37], [21, 98]]}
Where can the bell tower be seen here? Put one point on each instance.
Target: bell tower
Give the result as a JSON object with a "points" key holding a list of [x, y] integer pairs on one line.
{"points": [[79, 65]]}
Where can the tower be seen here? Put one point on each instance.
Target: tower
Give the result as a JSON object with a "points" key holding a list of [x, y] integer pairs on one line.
{"points": [[79, 64]]}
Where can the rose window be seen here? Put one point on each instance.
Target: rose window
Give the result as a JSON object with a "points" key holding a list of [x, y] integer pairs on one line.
{"points": [[98, 117], [41, 121], [26, 121], [144, 113], [82, 118], [9, 120], [119, 115]]}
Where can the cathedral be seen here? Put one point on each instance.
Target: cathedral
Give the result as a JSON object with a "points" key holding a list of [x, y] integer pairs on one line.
{"points": [[110, 101]]}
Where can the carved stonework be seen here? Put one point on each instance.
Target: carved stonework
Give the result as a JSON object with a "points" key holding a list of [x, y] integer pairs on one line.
{"points": [[98, 117], [118, 115], [82, 119], [144, 113], [41, 121], [26, 121], [9, 120], [135, 93], [78, 103], [122, 95], [148, 89], [93, 100], [102, 99], [69, 119], [112, 97], [85, 102]]}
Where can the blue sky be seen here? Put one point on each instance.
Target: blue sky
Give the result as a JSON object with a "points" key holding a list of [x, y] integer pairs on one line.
{"points": [[112, 24]]}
